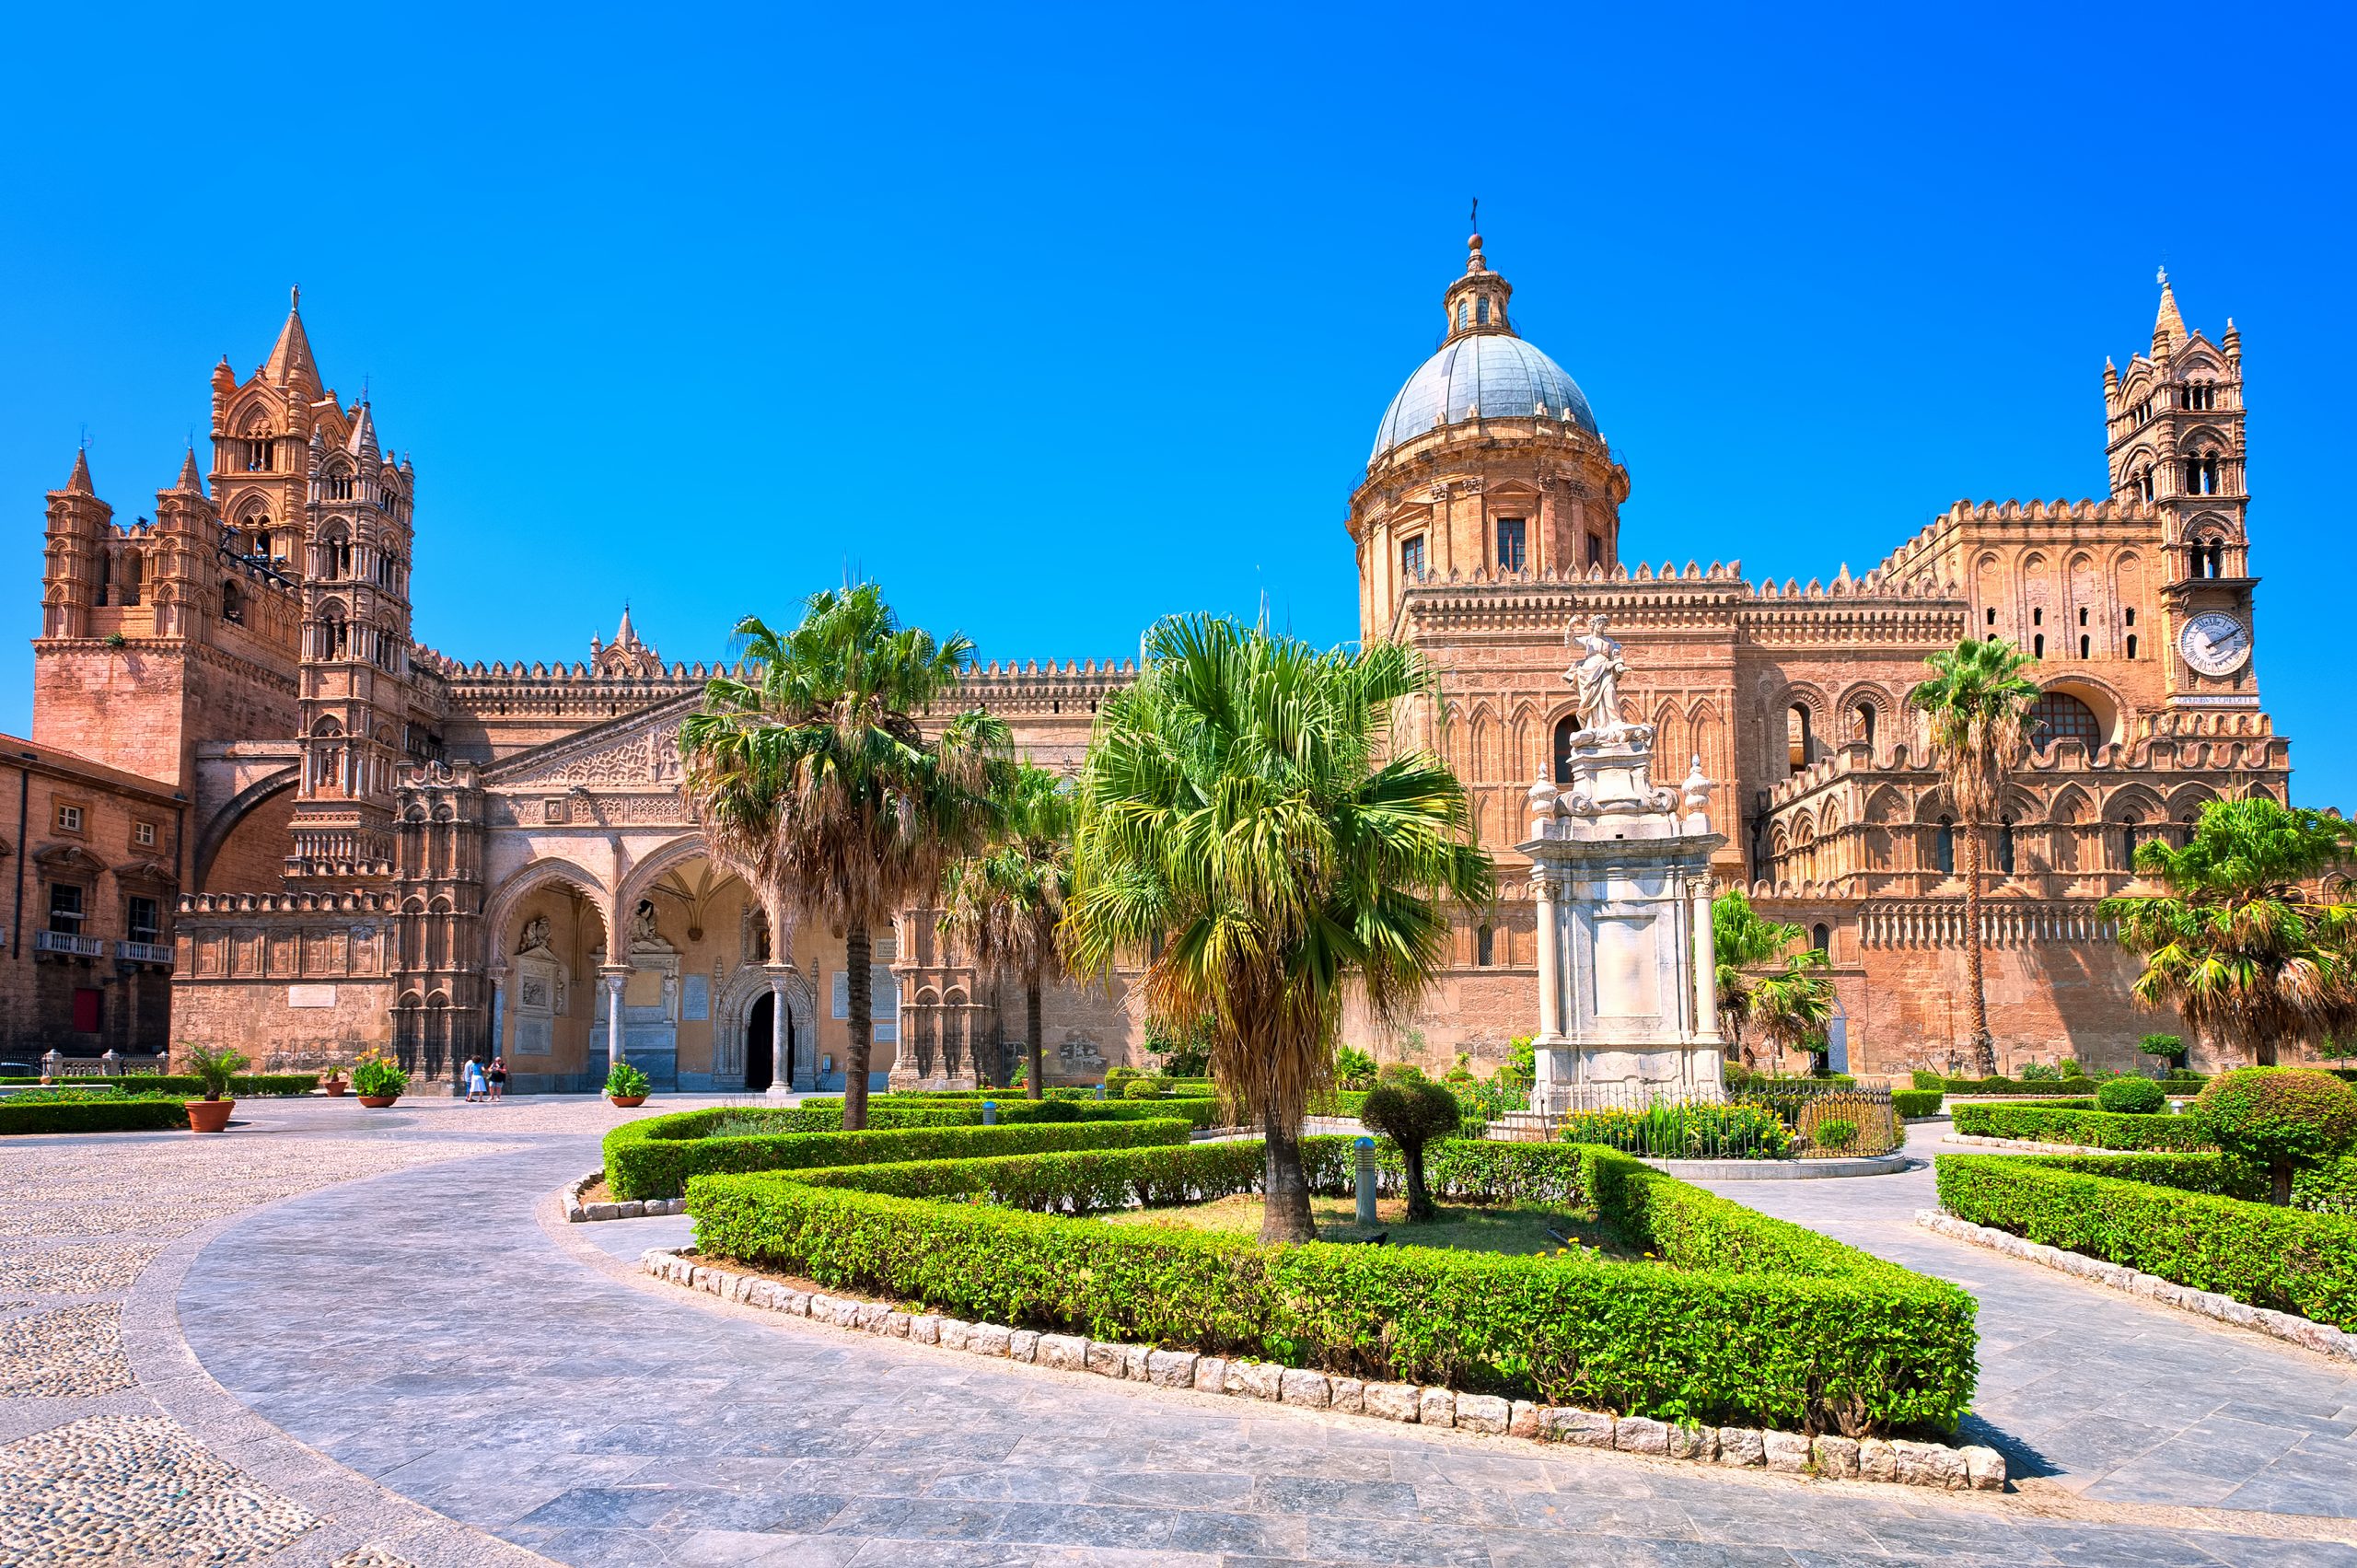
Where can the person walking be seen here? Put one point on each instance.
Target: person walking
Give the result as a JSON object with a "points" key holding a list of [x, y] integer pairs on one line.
{"points": [[498, 1078], [477, 1090]]}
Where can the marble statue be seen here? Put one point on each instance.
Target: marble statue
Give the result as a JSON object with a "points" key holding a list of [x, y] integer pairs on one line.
{"points": [[641, 925], [536, 934], [1596, 679]]}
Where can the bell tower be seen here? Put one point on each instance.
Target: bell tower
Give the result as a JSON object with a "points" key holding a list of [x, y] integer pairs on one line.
{"points": [[2176, 446]]}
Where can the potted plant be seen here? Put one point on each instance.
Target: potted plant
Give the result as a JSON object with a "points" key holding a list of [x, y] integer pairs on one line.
{"points": [[333, 1083], [376, 1080], [626, 1085], [216, 1067]]}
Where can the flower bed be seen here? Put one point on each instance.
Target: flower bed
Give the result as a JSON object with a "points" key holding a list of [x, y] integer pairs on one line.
{"points": [[654, 1158], [41, 1110], [2077, 1122], [2180, 1217], [1742, 1319]]}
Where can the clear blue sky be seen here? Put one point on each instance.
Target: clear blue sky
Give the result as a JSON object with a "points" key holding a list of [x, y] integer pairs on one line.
{"points": [[1056, 321]]}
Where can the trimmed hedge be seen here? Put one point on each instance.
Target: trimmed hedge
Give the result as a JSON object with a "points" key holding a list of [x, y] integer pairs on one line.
{"points": [[2282, 1259], [111, 1113], [654, 1157], [2327, 1188], [1916, 1102], [187, 1085], [1744, 1318], [968, 1111], [2077, 1122]]}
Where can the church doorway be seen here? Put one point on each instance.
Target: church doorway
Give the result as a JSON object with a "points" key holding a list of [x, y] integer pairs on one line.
{"points": [[761, 1026]]}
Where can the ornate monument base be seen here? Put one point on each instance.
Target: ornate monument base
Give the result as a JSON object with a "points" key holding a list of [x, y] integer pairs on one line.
{"points": [[1628, 1005]]}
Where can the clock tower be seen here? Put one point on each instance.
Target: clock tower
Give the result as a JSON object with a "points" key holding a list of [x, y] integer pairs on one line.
{"points": [[2175, 419]]}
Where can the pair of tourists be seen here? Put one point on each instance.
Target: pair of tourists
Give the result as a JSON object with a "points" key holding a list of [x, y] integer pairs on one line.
{"points": [[485, 1087]]}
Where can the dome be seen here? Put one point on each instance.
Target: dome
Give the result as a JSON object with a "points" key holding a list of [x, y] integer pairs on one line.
{"points": [[1495, 375]]}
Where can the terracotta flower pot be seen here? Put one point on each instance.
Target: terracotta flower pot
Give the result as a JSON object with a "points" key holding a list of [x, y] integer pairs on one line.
{"points": [[378, 1102], [627, 1101], [209, 1115], [335, 1086]]}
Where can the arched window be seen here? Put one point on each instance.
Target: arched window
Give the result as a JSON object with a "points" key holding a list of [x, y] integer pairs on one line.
{"points": [[2005, 846], [2037, 646], [1481, 311], [1485, 946], [106, 573], [1944, 847], [2085, 644], [2058, 716], [1462, 307], [1821, 937], [2131, 644], [233, 604], [1863, 719], [1565, 728], [133, 575], [1797, 737]]}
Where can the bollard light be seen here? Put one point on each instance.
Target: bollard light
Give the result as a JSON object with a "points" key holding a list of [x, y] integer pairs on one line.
{"points": [[989, 1113], [1366, 1180]]}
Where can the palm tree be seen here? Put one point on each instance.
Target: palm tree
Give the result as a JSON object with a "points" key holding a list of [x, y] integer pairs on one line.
{"points": [[2241, 945], [1005, 901], [1978, 701], [1792, 1004], [1743, 940], [811, 776], [1238, 806]]}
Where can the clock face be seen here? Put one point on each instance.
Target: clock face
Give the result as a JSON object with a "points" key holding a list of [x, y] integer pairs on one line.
{"points": [[2215, 643]]}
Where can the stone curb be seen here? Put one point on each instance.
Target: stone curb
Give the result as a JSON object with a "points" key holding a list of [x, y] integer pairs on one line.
{"points": [[578, 1212], [2305, 1333], [1782, 1170], [1871, 1459], [2029, 1146]]}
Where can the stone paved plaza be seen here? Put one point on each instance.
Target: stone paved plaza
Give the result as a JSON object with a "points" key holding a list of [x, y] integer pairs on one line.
{"points": [[364, 1338]]}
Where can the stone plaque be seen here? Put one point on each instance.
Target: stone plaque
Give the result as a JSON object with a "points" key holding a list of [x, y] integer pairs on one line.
{"points": [[695, 1001], [1627, 973], [310, 996], [535, 1037]]}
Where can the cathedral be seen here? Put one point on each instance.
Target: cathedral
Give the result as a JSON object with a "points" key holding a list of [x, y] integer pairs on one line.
{"points": [[339, 839]]}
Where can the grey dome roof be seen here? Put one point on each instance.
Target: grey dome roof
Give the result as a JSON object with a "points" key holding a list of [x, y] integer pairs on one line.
{"points": [[1495, 375]]}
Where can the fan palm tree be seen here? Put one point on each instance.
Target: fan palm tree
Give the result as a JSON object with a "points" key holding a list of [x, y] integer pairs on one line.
{"points": [[1005, 901], [1792, 1004], [1742, 940], [1978, 701], [1238, 806], [811, 777], [2241, 945]]}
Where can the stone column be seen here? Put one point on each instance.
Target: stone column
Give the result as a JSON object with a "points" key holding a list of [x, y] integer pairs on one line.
{"points": [[614, 976], [1550, 955], [780, 1066], [498, 1012], [1706, 966]]}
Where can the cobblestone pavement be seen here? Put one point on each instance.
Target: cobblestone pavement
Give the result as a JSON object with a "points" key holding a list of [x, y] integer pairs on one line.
{"points": [[112, 1449], [2096, 1392], [427, 1330]]}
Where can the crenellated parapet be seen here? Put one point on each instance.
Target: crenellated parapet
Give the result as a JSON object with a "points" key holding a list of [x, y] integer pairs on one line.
{"points": [[1075, 686]]}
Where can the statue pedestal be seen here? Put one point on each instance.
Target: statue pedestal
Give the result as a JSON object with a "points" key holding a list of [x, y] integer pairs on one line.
{"points": [[1628, 1004]]}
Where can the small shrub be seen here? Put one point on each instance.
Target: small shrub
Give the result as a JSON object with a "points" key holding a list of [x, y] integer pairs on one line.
{"points": [[216, 1067], [2039, 1073], [1353, 1069], [2131, 1096], [1925, 1079], [2284, 1118], [1462, 1073], [1401, 1073], [1142, 1088], [373, 1074], [1835, 1132], [1916, 1102], [2069, 1068], [624, 1080], [1412, 1115], [1118, 1080], [2166, 1047]]}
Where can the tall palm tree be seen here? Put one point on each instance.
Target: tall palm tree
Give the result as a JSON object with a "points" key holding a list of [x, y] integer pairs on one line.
{"points": [[1978, 701], [810, 776], [1007, 901], [2241, 945], [1792, 1004], [1239, 805], [1742, 940]]}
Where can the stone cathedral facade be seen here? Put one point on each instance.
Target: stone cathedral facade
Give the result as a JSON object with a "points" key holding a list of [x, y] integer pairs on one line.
{"points": [[374, 844]]}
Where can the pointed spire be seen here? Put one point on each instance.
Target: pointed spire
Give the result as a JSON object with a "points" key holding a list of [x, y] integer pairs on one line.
{"points": [[190, 478], [623, 636], [79, 483], [290, 362], [2167, 324], [225, 380], [362, 442]]}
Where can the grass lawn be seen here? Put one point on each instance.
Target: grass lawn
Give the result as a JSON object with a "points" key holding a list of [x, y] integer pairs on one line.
{"points": [[1521, 1230]]}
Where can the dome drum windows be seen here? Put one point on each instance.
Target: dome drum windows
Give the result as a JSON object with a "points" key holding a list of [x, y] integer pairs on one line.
{"points": [[1412, 559], [1512, 536]]}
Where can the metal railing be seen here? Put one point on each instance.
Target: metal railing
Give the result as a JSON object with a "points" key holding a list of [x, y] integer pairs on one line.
{"points": [[1794, 1119]]}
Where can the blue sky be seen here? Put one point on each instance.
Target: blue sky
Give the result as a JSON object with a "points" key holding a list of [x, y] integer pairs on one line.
{"points": [[1056, 321]]}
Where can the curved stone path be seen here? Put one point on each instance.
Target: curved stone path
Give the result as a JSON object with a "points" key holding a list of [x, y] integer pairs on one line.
{"points": [[431, 1329]]}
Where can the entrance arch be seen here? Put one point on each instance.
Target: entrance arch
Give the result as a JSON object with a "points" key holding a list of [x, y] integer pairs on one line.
{"points": [[743, 1026]]}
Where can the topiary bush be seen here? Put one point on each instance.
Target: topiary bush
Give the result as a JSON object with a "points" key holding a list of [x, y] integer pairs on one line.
{"points": [[2283, 1119], [1412, 1115], [2078, 1121], [2131, 1096], [1141, 1088], [2329, 1188]]}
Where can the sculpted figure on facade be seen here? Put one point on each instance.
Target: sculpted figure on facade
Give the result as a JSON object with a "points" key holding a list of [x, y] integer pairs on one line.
{"points": [[1596, 679]]}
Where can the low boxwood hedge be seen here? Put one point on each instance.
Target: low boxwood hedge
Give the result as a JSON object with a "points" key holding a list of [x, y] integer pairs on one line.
{"points": [[2076, 1121], [654, 1157], [106, 1113], [889, 1111], [1741, 1317], [1916, 1102], [2288, 1259], [187, 1085]]}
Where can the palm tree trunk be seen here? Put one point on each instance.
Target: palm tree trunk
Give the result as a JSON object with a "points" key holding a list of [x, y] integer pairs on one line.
{"points": [[1984, 1044], [857, 952], [1034, 1086], [1286, 1217]]}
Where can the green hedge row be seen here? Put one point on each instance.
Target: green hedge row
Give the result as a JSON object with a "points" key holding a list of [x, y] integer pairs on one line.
{"points": [[2329, 1188], [1742, 1319], [654, 1158], [2283, 1258], [246, 1085], [2075, 1121], [1916, 1102], [883, 1111], [116, 1113]]}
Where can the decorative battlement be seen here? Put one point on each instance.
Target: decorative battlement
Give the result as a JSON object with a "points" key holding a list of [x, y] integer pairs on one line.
{"points": [[352, 901]]}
